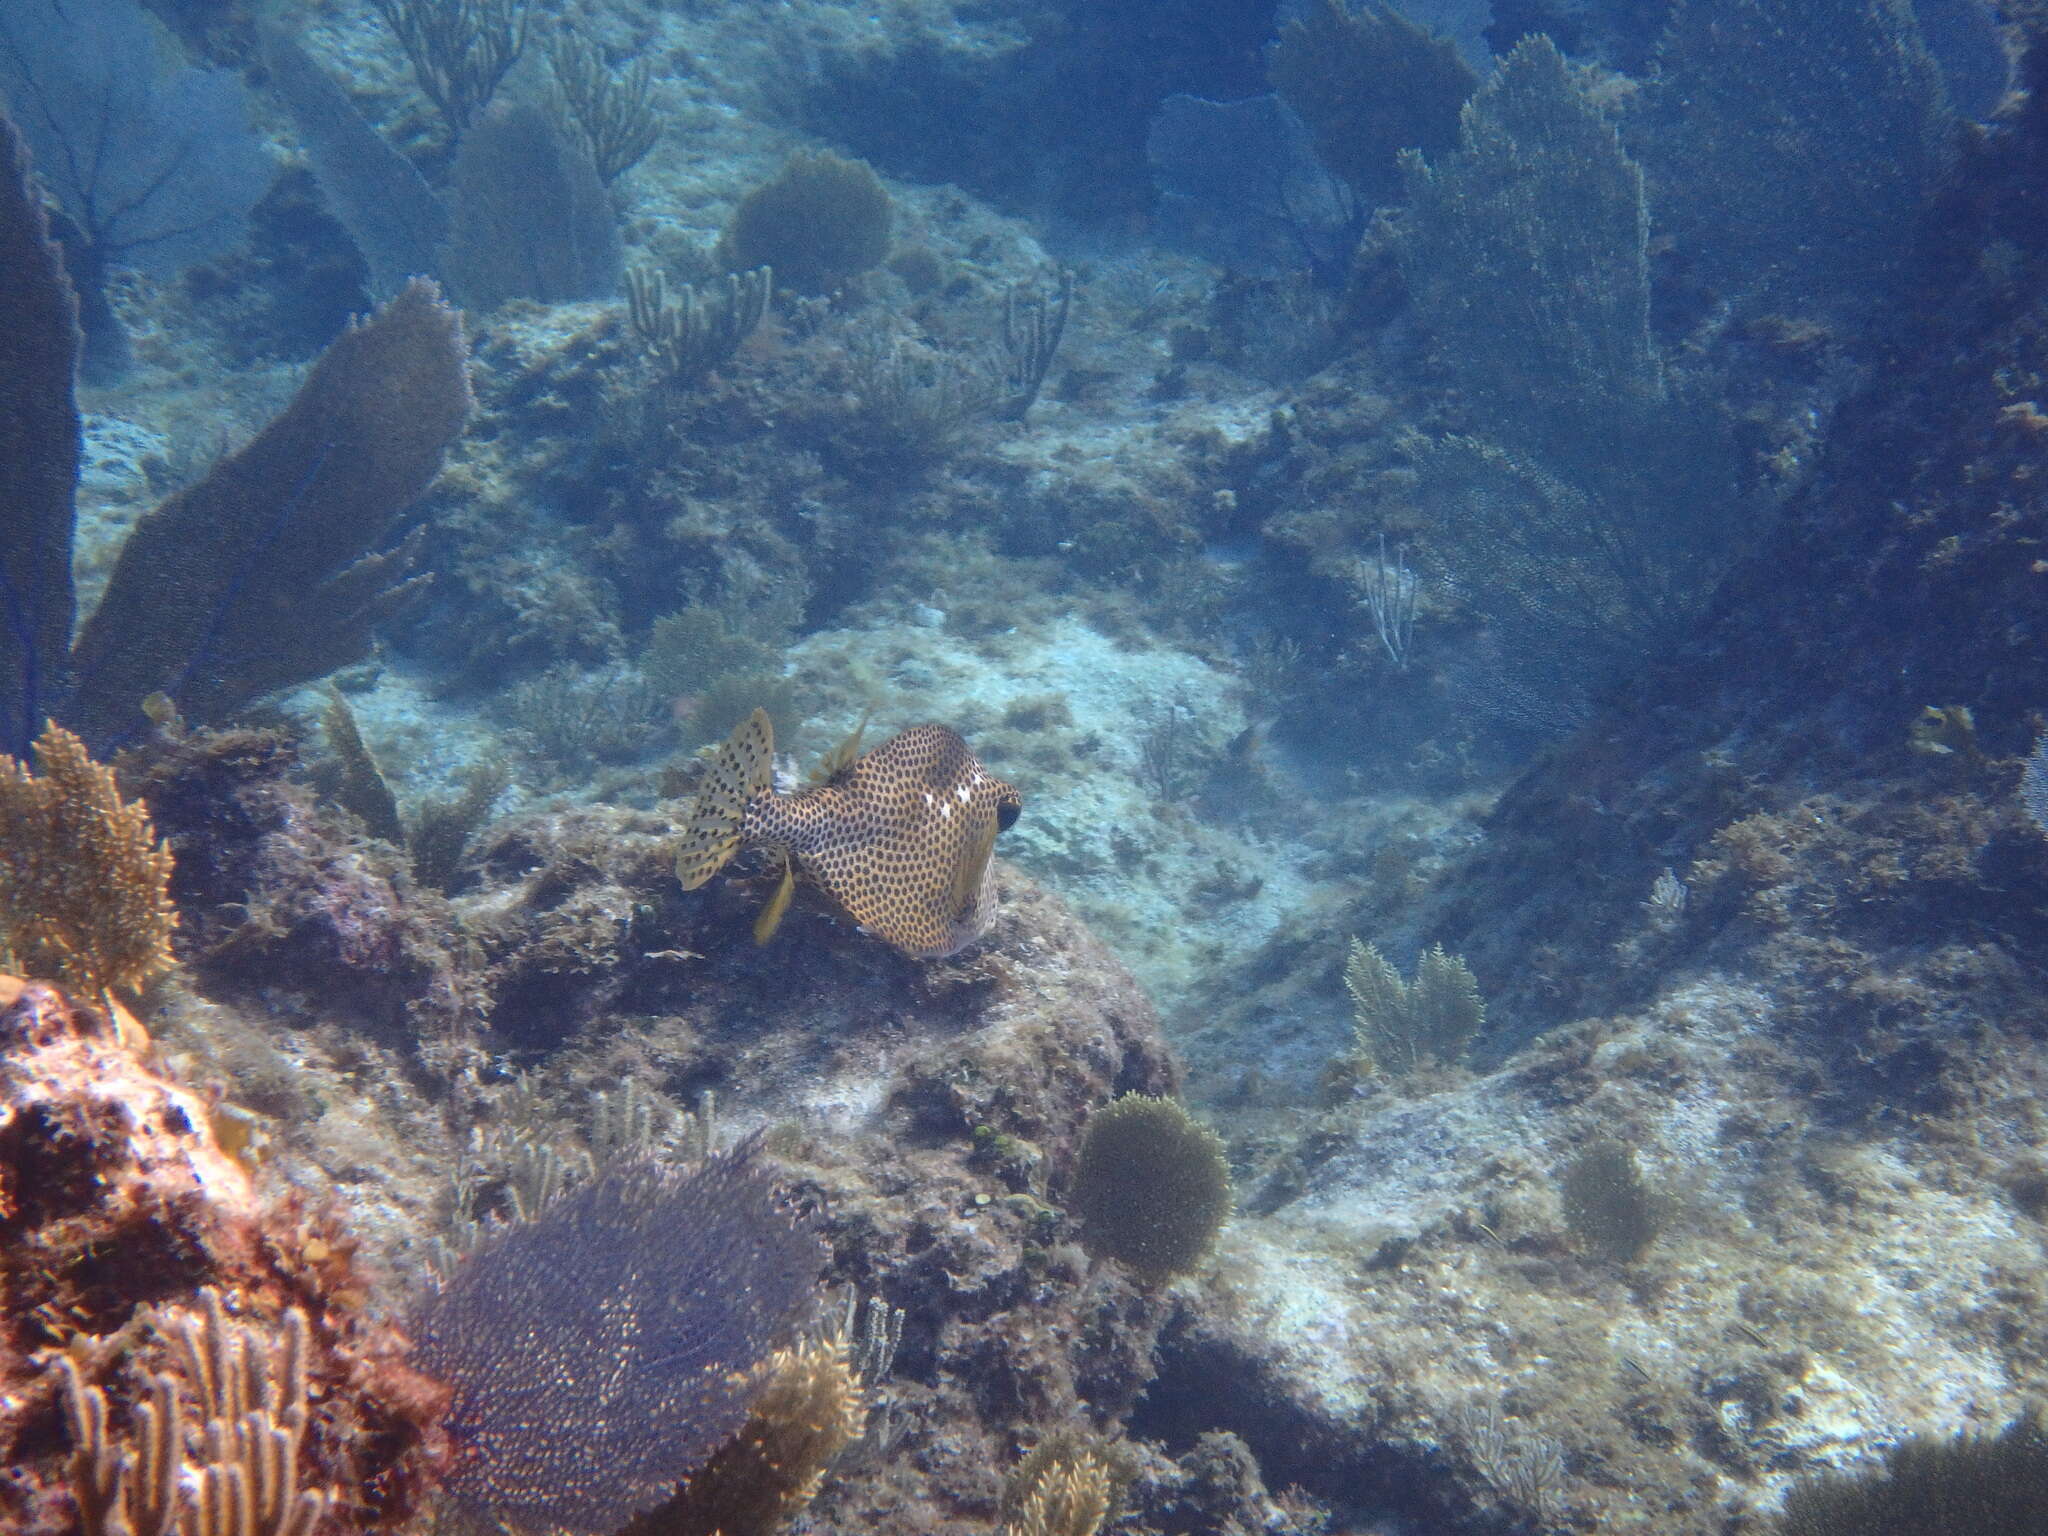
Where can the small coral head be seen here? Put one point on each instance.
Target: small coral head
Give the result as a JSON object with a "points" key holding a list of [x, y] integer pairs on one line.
{"points": [[1151, 1188]]}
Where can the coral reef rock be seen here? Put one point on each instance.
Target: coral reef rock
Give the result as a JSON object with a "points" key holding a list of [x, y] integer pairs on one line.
{"points": [[122, 1219], [1761, 941]]}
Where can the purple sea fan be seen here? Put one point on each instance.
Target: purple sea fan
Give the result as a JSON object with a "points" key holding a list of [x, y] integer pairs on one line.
{"points": [[599, 1354]]}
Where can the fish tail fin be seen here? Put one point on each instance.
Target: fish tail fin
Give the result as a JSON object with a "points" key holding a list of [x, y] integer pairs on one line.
{"points": [[742, 767]]}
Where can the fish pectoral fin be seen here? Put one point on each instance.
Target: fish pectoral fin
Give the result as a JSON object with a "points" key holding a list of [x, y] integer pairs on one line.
{"points": [[778, 904], [972, 868]]}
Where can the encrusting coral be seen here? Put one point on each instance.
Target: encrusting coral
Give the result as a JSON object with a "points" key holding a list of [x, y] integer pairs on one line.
{"points": [[153, 1285], [84, 883], [276, 895]]}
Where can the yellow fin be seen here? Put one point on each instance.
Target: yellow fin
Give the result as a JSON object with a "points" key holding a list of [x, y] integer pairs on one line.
{"points": [[967, 876], [842, 757], [741, 768], [778, 904]]}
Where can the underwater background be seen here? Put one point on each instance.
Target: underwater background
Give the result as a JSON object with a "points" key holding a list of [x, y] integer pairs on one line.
{"points": [[1471, 955]]}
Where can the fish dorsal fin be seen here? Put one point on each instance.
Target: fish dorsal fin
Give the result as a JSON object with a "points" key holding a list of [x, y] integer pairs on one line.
{"points": [[843, 756], [778, 904], [742, 767], [969, 872]]}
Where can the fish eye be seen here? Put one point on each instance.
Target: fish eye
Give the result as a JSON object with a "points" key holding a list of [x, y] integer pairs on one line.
{"points": [[1006, 815]]}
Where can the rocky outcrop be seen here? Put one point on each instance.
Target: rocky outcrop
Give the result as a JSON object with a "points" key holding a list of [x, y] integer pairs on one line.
{"points": [[122, 1203], [1809, 1071]]}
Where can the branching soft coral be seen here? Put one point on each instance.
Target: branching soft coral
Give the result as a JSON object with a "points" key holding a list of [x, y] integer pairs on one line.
{"points": [[85, 886]]}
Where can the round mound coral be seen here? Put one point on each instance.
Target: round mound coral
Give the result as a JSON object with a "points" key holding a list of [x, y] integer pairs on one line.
{"points": [[1151, 1188], [822, 220]]}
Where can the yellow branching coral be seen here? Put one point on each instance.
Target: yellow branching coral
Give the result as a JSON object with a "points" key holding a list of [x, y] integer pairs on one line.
{"points": [[1068, 1486], [809, 1406], [85, 887]]}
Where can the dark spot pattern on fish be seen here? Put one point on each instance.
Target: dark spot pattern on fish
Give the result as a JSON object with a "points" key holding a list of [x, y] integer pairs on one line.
{"points": [[900, 838]]}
